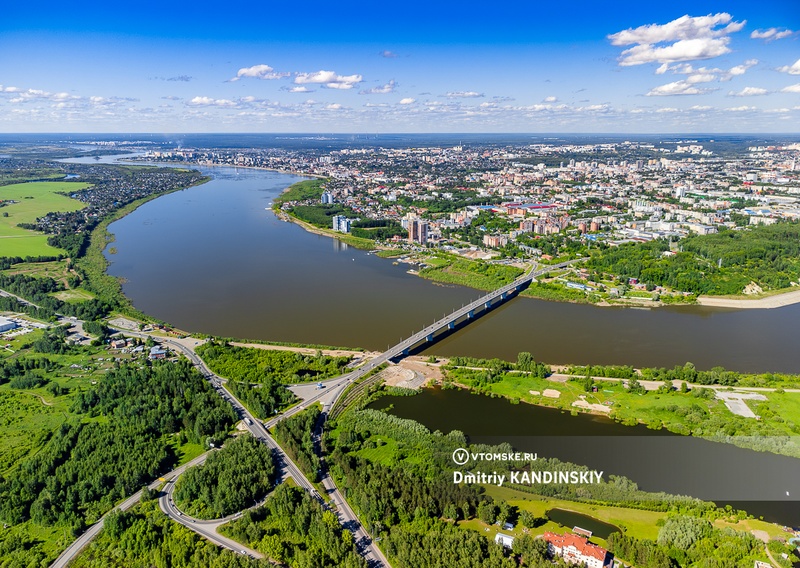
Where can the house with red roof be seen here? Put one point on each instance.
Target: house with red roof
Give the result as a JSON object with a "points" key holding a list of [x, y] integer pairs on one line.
{"points": [[577, 550]]}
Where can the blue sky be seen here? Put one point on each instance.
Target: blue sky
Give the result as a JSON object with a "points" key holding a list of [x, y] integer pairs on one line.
{"points": [[406, 67]]}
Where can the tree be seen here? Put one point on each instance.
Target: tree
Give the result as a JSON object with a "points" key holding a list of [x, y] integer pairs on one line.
{"points": [[487, 512], [525, 361]]}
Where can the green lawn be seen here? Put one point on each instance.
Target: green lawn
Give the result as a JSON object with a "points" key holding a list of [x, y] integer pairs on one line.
{"points": [[635, 522], [34, 199]]}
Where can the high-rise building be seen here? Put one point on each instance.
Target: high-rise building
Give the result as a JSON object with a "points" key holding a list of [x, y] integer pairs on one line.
{"points": [[417, 229], [341, 223], [327, 198]]}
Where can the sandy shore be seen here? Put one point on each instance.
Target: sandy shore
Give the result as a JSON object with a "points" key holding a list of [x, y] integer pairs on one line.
{"points": [[309, 351], [776, 301]]}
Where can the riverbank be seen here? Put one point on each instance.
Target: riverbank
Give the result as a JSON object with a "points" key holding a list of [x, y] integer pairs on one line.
{"points": [[755, 418], [363, 244], [778, 300]]}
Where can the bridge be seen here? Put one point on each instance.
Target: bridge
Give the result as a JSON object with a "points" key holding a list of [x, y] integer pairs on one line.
{"points": [[460, 316]]}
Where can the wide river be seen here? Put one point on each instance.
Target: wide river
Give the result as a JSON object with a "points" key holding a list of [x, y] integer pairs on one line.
{"points": [[214, 259]]}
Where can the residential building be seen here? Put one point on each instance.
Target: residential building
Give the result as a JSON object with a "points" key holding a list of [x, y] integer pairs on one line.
{"points": [[341, 223], [327, 198], [507, 541], [417, 229]]}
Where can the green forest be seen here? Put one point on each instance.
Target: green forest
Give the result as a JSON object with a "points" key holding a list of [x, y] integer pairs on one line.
{"points": [[230, 480], [717, 264], [294, 529], [144, 537], [121, 434], [265, 399], [310, 189], [252, 365], [295, 436]]}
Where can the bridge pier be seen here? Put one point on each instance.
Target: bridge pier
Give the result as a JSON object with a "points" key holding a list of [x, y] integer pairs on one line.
{"points": [[471, 314], [503, 296], [451, 325], [405, 352], [488, 304], [429, 338]]}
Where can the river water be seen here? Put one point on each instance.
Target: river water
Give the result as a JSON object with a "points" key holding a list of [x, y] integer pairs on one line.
{"points": [[215, 259], [763, 484]]}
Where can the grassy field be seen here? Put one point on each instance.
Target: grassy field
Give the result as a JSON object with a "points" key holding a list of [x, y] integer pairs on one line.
{"points": [[34, 199], [26, 420], [635, 522], [74, 296], [56, 270], [475, 274]]}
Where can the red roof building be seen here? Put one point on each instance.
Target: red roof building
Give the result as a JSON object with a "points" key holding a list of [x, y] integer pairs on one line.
{"points": [[577, 550]]}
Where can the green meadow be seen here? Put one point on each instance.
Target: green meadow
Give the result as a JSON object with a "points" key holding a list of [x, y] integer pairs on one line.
{"points": [[33, 200]]}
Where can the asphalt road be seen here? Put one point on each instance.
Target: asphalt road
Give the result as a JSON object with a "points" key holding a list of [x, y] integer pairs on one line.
{"points": [[207, 529]]}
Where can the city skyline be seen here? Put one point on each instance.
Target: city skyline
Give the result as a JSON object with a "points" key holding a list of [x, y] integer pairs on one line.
{"points": [[689, 67]]}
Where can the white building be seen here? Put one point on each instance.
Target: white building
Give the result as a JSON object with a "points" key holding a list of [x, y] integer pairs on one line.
{"points": [[341, 223], [6, 324], [504, 539]]}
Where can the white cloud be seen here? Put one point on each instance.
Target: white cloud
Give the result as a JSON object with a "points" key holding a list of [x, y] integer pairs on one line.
{"points": [[677, 88], [688, 38], [550, 99], [739, 69], [328, 79], [684, 50], [771, 34], [463, 95], [722, 74], [701, 78], [334, 106], [749, 92], [407, 101], [700, 107], [793, 69], [388, 54], [208, 101], [381, 90], [791, 88], [300, 89], [258, 72], [741, 108]]}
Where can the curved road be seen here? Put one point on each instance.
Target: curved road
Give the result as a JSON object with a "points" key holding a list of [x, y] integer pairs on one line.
{"points": [[207, 529]]}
